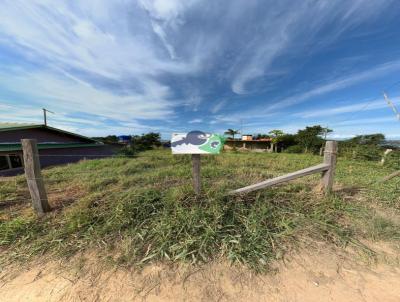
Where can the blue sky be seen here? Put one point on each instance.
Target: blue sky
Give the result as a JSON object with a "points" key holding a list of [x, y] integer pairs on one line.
{"points": [[123, 67]]}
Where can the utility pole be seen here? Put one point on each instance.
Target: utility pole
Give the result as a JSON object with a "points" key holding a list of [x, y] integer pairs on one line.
{"points": [[391, 105], [45, 116]]}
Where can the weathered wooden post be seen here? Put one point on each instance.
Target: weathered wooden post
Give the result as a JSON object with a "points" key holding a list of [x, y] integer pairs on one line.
{"points": [[33, 176], [196, 173], [330, 154]]}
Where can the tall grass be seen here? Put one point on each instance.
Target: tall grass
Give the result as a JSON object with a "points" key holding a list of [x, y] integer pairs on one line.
{"points": [[143, 209]]}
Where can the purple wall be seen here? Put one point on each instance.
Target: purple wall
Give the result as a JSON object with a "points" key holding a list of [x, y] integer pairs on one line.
{"points": [[51, 157]]}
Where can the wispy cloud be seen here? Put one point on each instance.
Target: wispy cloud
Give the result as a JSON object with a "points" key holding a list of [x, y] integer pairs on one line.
{"points": [[141, 63], [196, 121], [338, 110], [337, 84], [296, 29], [218, 106]]}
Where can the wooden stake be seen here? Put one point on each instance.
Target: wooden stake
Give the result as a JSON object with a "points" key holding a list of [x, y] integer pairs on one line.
{"points": [[196, 173], [33, 176], [330, 155]]}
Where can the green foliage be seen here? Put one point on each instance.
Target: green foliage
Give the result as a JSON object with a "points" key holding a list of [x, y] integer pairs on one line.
{"points": [[276, 135], [107, 139], [393, 160], [287, 140], [367, 152], [260, 136], [140, 143], [310, 138], [369, 139], [146, 141], [363, 147], [294, 149]]}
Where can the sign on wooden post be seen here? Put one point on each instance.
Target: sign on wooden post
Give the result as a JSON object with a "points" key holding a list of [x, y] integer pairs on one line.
{"points": [[196, 143], [33, 176], [330, 155]]}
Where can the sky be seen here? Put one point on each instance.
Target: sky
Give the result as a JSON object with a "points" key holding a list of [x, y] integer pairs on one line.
{"points": [[129, 67]]}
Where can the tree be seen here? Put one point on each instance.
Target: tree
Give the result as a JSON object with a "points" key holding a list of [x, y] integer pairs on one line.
{"points": [[310, 137], [107, 139], [146, 141], [275, 138], [369, 139], [260, 136], [141, 143], [232, 133], [287, 140]]}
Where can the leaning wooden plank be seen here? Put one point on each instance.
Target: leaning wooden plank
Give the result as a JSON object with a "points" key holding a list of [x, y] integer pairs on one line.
{"points": [[390, 176], [281, 179]]}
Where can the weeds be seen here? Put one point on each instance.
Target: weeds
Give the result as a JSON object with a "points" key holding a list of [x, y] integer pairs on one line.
{"points": [[143, 209]]}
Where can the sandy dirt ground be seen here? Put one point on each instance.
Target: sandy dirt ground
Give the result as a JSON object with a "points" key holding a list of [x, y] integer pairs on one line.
{"points": [[325, 275]]}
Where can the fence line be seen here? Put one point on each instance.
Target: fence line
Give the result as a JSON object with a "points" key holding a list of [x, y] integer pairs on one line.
{"points": [[327, 168]]}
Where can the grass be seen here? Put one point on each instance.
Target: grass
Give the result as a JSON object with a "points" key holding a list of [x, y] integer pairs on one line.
{"points": [[139, 210]]}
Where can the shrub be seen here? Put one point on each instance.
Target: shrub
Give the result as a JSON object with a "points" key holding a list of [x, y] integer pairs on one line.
{"points": [[367, 152], [141, 143], [393, 160], [294, 149]]}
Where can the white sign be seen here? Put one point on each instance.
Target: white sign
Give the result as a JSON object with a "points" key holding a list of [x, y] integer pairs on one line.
{"points": [[196, 142]]}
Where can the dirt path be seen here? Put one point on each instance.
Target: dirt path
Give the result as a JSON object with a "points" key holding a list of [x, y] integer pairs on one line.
{"points": [[323, 276]]}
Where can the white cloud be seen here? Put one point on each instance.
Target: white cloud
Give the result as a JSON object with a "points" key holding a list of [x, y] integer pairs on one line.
{"points": [[337, 84], [337, 110], [196, 121], [288, 30], [218, 106], [129, 61], [68, 96]]}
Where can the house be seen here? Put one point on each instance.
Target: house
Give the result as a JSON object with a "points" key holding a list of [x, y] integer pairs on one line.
{"points": [[248, 143], [247, 137], [55, 146]]}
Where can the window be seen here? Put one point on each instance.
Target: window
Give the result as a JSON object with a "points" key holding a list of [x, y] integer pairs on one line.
{"points": [[10, 161], [15, 161], [4, 163]]}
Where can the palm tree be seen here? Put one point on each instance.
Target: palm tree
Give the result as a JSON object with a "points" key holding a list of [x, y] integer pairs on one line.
{"points": [[232, 133]]}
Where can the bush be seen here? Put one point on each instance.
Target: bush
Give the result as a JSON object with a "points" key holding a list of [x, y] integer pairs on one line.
{"points": [[294, 149], [127, 151], [365, 152], [393, 160], [141, 143]]}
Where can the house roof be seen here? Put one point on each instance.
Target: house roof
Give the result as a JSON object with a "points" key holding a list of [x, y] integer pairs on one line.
{"points": [[13, 125], [16, 127]]}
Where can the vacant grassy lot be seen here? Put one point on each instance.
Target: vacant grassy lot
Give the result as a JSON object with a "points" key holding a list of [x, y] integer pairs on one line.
{"points": [[143, 209]]}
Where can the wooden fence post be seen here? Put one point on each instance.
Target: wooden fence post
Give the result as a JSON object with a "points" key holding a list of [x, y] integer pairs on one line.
{"points": [[330, 154], [196, 173], [33, 176]]}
